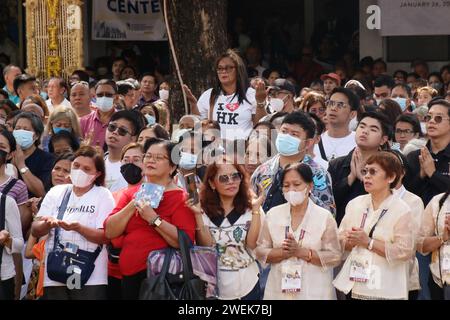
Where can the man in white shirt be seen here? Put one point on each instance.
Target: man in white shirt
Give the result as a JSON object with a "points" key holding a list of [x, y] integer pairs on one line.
{"points": [[123, 128], [56, 89], [338, 140]]}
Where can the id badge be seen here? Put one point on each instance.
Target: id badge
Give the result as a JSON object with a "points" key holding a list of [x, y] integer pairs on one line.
{"points": [[360, 266], [291, 277], [71, 248], [446, 259]]}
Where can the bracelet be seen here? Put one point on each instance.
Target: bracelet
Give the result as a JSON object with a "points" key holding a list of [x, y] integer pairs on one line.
{"points": [[370, 245], [309, 256], [261, 104], [256, 213]]}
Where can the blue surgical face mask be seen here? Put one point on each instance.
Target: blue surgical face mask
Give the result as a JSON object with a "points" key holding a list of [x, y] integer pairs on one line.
{"points": [[188, 161], [287, 145], [43, 95], [24, 138], [401, 102], [58, 130], [150, 119]]}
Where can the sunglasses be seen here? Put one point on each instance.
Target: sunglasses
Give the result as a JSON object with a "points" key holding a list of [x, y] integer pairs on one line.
{"points": [[121, 131], [437, 119], [370, 171], [74, 83], [234, 177]]}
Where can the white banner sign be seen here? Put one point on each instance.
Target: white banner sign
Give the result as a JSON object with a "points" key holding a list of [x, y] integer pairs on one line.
{"points": [[136, 20], [415, 17]]}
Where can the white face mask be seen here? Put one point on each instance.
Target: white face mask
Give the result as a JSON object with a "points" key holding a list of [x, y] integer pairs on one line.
{"points": [[80, 178], [276, 104], [177, 134], [105, 104], [164, 94], [295, 198]]}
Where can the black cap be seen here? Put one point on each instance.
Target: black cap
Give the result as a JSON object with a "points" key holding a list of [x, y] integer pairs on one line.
{"points": [[283, 84]]}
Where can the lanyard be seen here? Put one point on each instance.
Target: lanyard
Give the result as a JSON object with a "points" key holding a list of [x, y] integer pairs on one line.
{"points": [[364, 217], [302, 234]]}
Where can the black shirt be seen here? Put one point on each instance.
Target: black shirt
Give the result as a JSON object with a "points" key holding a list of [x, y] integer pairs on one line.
{"points": [[439, 182], [40, 164], [339, 170]]}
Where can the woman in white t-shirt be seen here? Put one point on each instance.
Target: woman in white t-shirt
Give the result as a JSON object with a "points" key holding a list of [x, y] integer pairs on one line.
{"points": [[81, 226], [231, 102], [230, 220]]}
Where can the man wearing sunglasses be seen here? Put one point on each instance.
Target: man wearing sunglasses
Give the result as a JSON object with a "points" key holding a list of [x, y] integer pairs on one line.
{"points": [[429, 166], [93, 126], [338, 140], [122, 129]]}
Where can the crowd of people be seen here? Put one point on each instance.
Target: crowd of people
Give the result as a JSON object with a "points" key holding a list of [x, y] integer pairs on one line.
{"points": [[336, 187]]}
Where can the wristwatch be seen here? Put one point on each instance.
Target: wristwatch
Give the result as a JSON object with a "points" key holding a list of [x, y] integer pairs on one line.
{"points": [[156, 222], [23, 170], [261, 104]]}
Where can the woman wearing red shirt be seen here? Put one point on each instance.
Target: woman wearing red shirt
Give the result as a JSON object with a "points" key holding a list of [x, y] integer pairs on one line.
{"points": [[141, 230]]}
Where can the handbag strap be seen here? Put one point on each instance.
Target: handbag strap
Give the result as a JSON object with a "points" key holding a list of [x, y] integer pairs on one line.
{"points": [[383, 212], [185, 244], [322, 151], [61, 211], [166, 265], [5, 191]]}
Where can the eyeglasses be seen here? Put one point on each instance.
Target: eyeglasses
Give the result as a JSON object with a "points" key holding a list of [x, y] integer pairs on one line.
{"points": [[104, 94], [226, 69], [155, 157], [332, 103], [370, 171], [234, 177], [437, 119], [120, 130], [318, 110], [406, 132]]}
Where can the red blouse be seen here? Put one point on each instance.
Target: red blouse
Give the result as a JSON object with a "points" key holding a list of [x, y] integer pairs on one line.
{"points": [[139, 238]]}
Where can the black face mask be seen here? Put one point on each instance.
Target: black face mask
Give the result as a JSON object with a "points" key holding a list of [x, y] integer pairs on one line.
{"points": [[131, 173], [206, 143], [3, 156]]}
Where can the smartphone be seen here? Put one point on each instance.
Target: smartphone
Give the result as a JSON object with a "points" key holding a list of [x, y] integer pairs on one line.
{"points": [[192, 187]]}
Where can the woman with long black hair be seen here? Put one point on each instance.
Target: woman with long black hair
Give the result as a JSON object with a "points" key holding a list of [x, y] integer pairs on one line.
{"points": [[232, 101]]}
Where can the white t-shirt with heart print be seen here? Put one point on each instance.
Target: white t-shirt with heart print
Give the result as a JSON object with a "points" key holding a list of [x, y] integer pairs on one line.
{"points": [[235, 119]]}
